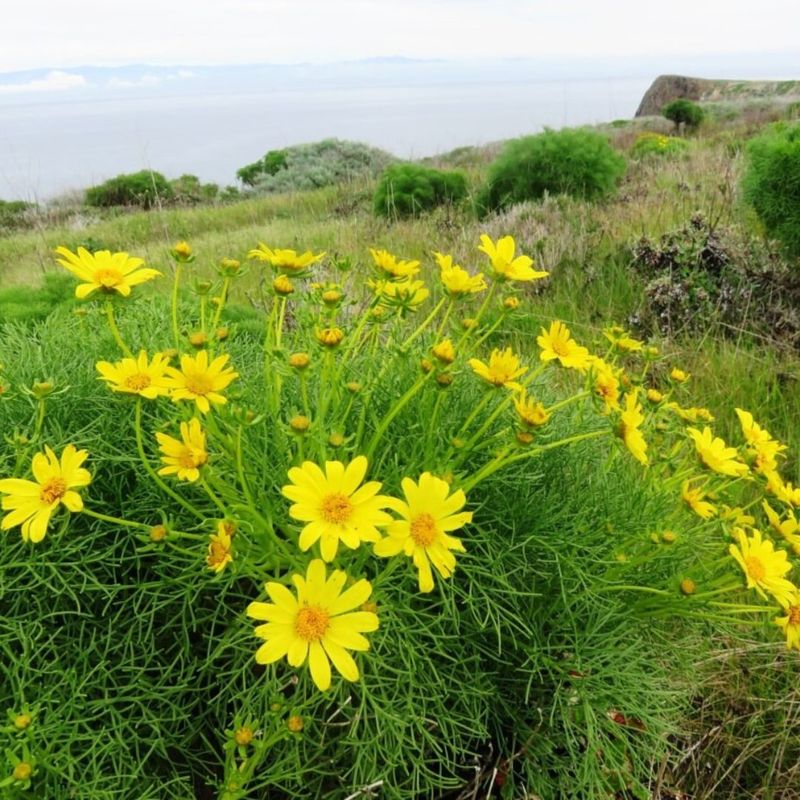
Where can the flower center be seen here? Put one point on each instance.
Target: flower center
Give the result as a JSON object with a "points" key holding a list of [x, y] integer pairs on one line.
{"points": [[199, 384], [311, 623], [53, 490], [191, 457], [108, 278], [138, 381], [423, 530], [794, 615], [336, 508], [560, 348], [217, 554], [755, 568]]}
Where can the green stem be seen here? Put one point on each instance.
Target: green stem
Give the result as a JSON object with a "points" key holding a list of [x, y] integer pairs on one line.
{"points": [[393, 412], [113, 520], [151, 472], [175, 332], [217, 502], [223, 296], [112, 324], [425, 323]]}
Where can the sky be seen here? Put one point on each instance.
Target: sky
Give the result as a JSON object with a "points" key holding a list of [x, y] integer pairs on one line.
{"points": [[67, 33]]}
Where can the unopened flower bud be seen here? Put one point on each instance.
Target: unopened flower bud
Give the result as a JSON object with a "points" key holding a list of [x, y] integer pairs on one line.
{"points": [[22, 771], [688, 586], [331, 297], [330, 337], [282, 285], [444, 379], [22, 721], [299, 360], [243, 736], [295, 723], [511, 303], [158, 533], [221, 334], [300, 423], [198, 339]]}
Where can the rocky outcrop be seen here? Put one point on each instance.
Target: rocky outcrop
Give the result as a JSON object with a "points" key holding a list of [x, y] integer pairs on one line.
{"points": [[666, 88]]}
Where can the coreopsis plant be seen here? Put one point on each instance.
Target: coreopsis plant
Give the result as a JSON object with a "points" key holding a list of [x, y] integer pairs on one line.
{"points": [[436, 525]]}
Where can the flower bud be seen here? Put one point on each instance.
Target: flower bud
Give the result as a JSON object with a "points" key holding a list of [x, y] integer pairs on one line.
{"points": [[295, 723], [300, 423], [158, 533], [282, 286], [299, 360], [330, 337]]}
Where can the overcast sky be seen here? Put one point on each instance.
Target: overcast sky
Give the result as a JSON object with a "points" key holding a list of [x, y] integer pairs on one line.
{"points": [[68, 33]]}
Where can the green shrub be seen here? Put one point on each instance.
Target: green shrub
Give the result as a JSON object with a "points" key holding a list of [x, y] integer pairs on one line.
{"points": [[407, 190], [144, 189], [576, 162], [272, 162], [656, 144], [331, 161], [771, 183], [190, 190], [683, 112], [12, 213]]}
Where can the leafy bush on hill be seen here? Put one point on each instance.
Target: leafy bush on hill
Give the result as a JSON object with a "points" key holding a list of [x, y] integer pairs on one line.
{"points": [[408, 190], [684, 112], [771, 183], [144, 189], [331, 161], [577, 162]]}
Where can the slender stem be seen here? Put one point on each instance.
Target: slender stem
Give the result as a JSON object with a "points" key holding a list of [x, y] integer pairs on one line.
{"points": [[175, 332], [280, 322], [393, 412], [153, 474], [479, 406], [425, 323], [223, 296], [563, 403], [217, 502], [446, 317], [113, 520], [240, 469], [112, 324]]}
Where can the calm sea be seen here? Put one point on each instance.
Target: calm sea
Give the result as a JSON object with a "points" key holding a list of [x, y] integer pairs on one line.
{"points": [[47, 148]]}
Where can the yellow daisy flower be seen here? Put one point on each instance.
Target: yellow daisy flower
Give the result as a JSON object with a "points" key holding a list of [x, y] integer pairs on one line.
{"points": [[32, 503], [505, 266], [137, 375], [335, 505], [502, 369], [752, 431], [401, 294], [200, 381], [392, 266], [285, 260], [531, 413], [783, 490], [557, 343], [428, 515], [444, 351], [104, 271], [456, 280], [184, 457], [622, 340], [788, 528], [790, 624], [220, 550], [695, 499], [763, 566], [606, 385], [319, 624], [629, 422], [715, 454]]}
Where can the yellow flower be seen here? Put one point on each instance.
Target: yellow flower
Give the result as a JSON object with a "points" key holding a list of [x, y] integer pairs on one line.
{"points": [[32, 503], [183, 250], [629, 422], [511, 303], [428, 516], [557, 343], [136, 375], [763, 566], [335, 506], [752, 431], [285, 260], [654, 396], [736, 514], [692, 414], [299, 360], [788, 528], [790, 624], [456, 280], [783, 490], [444, 351], [765, 456], [531, 413], [319, 624], [679, 376], [186, 455], [622, 340], [403, 294], [219, 551], [505, 266], [200, 381], [330, 337], [695, 499], [106, 271], [606, 385], [502, 369], [282, 285], [715, 454], [390, 265]]}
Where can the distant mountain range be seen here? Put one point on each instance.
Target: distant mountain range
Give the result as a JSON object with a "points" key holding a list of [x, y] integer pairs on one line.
{"points": [[93, 82]]}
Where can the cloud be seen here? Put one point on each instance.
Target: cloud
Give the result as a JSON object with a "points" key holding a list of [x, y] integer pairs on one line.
{"points": [[55, 81], [148, 80]]}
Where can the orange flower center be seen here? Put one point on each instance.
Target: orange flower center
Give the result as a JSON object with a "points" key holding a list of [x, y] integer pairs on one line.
{"points": [[794, 615], [191, 457], [336, 508], [53, 490], [311, 623], [199, 384], [218, 552], [138, 381], [108, 278], [755, 568], [423, 530]]}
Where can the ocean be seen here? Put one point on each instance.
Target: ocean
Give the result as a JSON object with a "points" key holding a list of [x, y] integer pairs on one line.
{"points": [[49, 147]]}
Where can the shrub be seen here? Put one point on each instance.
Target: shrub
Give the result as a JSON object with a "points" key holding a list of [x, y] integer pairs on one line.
{"points": [[144, 189], [771, 183], [190, 190], [656, 144], [576, 162], [331, 161], [407, 190], [13, 213], [683, 112], [272, 162]]}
